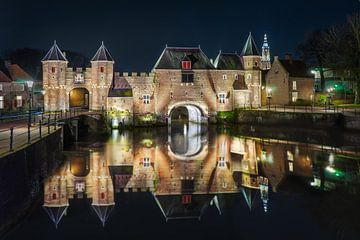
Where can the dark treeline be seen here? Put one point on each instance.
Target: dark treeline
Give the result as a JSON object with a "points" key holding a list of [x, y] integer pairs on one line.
{"points": [[338, 48]]}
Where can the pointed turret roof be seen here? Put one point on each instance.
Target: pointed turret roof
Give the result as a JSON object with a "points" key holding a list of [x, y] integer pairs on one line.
{"points": [[103, 211], [250, 48], [54, 54], [102, 54], [55, 212]]}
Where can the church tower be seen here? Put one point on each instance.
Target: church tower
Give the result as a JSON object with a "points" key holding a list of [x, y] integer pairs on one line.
{"points": [[265, 56], [54, 68], [102, 71]]}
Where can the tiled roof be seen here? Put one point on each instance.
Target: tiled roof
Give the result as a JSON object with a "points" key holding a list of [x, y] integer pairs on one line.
{"points": [[228, 61], [120, 88], [17, 73], [4, 77], [171, 58], [240, 84], [295, 68], [54, 54], [102, 54], [250, 48]]}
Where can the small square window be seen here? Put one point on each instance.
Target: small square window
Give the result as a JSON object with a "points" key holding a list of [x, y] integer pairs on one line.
{"points": [[221, 162], [222, 98], [146, 99], [146, 162]]}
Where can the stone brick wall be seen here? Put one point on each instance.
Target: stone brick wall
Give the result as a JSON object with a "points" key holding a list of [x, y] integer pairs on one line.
{"points": [[277, 80]]}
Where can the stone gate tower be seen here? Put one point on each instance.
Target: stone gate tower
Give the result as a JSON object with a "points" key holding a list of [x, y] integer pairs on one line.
{"points": [[54, 75], [102, 71]]}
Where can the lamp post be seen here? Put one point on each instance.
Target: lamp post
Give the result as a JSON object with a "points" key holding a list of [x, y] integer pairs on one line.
{"points": [[269, 96], [30, 87]]}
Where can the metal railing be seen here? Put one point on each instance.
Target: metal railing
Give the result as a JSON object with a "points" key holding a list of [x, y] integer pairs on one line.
{"points": [[24, 134], [305, 109]]}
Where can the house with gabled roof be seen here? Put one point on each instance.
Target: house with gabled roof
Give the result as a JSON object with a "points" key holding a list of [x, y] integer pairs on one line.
{"points": [[289, 81]]}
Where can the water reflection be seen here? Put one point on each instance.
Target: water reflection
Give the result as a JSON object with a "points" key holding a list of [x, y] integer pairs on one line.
{"points": [[188, 169]]}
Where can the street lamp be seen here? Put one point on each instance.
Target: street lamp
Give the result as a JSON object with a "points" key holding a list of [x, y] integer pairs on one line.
{"points": [[30, 84], [269, 96]]}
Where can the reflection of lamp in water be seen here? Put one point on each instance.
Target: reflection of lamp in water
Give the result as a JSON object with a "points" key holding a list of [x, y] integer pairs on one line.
{"points": [[114, 123]]}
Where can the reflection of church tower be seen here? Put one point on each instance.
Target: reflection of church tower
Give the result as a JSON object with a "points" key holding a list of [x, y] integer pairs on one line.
{"points": [[103, 191], [264, 192], [265, 56], [55, 197]]}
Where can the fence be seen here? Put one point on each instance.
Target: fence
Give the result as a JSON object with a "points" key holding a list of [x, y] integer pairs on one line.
{"points": [[41, 125]]}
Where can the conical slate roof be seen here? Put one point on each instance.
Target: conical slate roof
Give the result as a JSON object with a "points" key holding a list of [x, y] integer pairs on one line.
{"points": [[102, 54], [56, 213], [250, 48], [103, 211], [54, 54]]}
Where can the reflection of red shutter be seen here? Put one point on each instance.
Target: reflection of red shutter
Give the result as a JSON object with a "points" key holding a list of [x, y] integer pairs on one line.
{"points": [[151, 97], [15, 103], [186, 199], [228, 95]]}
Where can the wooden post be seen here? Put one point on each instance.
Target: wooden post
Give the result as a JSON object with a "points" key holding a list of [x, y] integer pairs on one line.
{"points": [[11, 138]]}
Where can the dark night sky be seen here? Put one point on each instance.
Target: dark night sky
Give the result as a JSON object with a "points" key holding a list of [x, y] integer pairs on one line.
{"points": [[135, 32]]}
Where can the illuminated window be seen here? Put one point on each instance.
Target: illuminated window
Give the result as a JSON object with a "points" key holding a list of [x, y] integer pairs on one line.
{"points": [[19, 101], [1, 102], [186, 199], [222, 98], [146, 99], [291, 166], [146, 162], [221, 162], [294, 85], [224, 77], [1, 87], [294, 96], [248, 76], [290, 156], [53, 69], [186, 64]]}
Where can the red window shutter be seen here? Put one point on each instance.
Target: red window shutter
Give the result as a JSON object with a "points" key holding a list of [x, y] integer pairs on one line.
{"points": [[53, 69], [102, 69], [186, 199]]}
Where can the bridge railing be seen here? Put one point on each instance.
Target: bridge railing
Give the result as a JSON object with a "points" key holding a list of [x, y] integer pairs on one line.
{"points": [[41, 125]]}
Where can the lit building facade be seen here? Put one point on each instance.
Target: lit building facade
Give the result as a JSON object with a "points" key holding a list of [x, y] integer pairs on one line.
{"points": [[181, 77]]}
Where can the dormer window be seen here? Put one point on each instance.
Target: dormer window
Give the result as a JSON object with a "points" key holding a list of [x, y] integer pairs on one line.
{"points": [[186, 64]]}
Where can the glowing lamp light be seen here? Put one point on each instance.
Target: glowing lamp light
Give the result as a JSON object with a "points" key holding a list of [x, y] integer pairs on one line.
{"points": [[29, 83]]}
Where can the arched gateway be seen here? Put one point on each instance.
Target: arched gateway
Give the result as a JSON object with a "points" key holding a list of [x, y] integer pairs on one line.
{"points": [[186, 112], [79, 98]]}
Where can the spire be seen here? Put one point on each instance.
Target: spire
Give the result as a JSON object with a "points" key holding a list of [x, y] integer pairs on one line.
{"points": [[250, 48], [54, 54], [265, 44], [265, 55], [102, 54]]}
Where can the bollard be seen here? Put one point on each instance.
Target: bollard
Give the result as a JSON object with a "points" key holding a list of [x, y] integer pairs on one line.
{"points": [[55, 122], [11, 138], [40, 128], [48, 125], [29, 138]]}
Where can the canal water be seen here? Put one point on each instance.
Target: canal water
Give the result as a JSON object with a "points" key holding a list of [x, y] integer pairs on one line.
{"points": [[192, 182]]}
